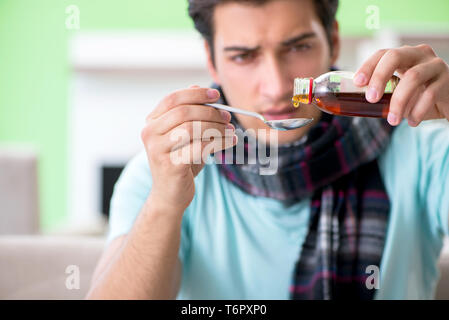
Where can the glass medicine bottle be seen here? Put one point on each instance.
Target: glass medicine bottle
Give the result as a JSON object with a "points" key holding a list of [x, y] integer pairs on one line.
{"points": [[335, 92]]}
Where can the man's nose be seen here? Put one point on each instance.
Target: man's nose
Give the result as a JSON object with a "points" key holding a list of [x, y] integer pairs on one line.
{"points": [[274, 81]]}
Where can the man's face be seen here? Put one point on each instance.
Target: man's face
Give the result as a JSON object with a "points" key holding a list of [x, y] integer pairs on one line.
{"points": [[259, 50]]}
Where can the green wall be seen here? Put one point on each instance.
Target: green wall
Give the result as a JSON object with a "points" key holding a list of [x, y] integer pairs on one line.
{"points": [[34, 76], [34, 70], [410, 15]]}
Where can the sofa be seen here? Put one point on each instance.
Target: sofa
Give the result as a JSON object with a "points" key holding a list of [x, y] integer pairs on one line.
{"points": [[61, 267], [47, 267]]}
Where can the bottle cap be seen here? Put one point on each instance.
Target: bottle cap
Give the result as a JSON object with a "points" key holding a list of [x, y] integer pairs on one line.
{"points": [[303, 87]]}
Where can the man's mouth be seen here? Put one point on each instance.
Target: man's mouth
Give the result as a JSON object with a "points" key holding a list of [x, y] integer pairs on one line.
{"points": [[284, 113]]}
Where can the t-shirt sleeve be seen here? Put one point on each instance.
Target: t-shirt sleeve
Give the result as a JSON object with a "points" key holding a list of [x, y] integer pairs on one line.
{"points": [[433, 146], [129, 195]]}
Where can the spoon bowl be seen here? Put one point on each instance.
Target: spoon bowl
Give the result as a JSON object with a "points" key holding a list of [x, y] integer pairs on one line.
{"points": [[288, 124], [281, 124]]}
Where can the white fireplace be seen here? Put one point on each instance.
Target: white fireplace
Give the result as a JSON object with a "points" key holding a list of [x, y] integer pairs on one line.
{"points": [[117, 79]]}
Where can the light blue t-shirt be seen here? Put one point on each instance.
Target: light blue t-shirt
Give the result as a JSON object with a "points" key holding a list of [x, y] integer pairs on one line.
{"points": [[238, 246]]}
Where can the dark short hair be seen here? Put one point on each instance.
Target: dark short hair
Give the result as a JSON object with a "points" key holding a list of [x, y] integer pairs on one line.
{"points": [[201, 12]]}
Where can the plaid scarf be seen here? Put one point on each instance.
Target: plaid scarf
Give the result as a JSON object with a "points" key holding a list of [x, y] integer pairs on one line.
{"points": [[335, 165]]}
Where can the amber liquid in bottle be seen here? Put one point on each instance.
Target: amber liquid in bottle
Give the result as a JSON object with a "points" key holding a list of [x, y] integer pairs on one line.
{"points": [[348, 104]]}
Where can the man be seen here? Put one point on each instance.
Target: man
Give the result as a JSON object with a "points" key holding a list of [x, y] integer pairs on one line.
{"points": [[351, 195]]}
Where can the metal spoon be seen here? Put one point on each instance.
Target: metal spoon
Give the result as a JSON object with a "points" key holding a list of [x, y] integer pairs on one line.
{"points": [[281, 124]]}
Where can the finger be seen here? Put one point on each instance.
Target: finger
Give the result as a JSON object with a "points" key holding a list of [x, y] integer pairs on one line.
{"points": [[364, 73], [391, 61], [198, 151], [412, 102], [412, 80], [176, 116], [188, 132], [185, 96], [425, 107]]}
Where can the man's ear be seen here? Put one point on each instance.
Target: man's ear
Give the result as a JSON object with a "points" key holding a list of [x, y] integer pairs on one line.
{"points": [[210, 63], [335, 38]]}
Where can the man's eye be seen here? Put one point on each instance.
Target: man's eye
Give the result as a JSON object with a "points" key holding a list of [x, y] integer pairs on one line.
{"points": [[242, 57], [300, 47]]}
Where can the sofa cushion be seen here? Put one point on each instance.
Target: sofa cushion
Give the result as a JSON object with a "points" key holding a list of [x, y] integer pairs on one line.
{"points": [[46, 267]]}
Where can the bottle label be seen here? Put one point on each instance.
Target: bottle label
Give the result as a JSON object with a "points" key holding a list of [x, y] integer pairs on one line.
{"points": [[391, 84]]}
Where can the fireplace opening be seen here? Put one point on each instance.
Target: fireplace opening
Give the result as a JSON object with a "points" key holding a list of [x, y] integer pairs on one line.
{"points": [[109, 177]]}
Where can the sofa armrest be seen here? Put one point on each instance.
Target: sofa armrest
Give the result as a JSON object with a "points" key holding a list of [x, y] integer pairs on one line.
{"points": [[34, 267]]}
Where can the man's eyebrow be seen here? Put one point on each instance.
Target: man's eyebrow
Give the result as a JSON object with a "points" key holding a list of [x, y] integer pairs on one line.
{"points": [[285, 43], [241, 48], [298, 38]]}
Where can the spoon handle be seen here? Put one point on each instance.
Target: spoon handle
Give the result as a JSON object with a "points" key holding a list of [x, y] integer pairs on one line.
{"points": [[236, 110]]}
